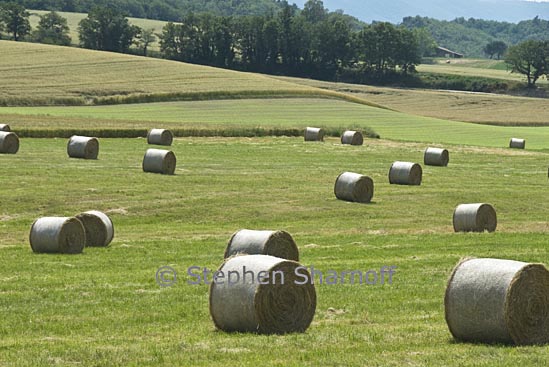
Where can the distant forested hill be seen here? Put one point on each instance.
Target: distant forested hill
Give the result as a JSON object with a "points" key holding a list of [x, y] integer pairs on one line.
{"points": [[469, 36], [170, 10]]}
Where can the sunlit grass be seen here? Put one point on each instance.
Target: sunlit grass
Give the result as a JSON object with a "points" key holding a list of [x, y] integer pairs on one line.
{"points": [[104, 308]]}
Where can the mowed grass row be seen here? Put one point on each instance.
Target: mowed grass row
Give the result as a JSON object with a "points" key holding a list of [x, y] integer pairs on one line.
{"points": [[483, 108], [222, 116], [104, 308]]}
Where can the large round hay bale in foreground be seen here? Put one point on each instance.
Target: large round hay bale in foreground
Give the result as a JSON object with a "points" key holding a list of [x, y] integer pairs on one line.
{"points": [[314, 134], [159, 161], [517, 143], [436, 157], [352, 138], [477, 217], [99, 228], [57, 235], [9, 142], [354, 187], [160, 137], [498, 301], [83, 147], [238, 302], [5, 127], [405, 173], [275, 243]]}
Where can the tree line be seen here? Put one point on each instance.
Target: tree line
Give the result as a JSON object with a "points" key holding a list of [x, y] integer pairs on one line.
{"points": [[312, 42]]}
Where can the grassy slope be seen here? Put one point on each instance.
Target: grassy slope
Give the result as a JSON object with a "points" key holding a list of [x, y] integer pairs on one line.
{"points": [[74, 18], [459, 106], [104, 308], [42, 74]]}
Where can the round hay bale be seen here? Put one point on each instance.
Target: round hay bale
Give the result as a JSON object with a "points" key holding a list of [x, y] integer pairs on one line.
{"points": [[498, 301], [99, 228], [5, 127], [478, 217], [9, 142], [275, 243], [405, 173], [314, 134], [244, 305], [160, 137], [83, 147], [354, 187], [159, 161], [57, 235], [517, 143], [436, 157], [352, 137]]}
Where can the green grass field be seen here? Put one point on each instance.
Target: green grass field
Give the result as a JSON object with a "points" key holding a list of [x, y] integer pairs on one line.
{"points": [[104, 307], [282, 113]]}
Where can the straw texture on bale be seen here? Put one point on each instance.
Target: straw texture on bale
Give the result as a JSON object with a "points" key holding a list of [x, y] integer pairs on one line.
{"points": [[314, 134], [57, 235], [436, 157], [498, 301], [5, 127], [159, 161], [9, 142], [405, 173], [352, 137], [83, 147], [160, 137], [279, 307], [478, 217], [354, 187], [517, 143], [99, 228], [275, 243]]}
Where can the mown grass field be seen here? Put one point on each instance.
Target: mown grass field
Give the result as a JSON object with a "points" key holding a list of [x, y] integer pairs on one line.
{"points": [[104, 307], [483, 108], [34, 74], [282, 113], [73, 19]]}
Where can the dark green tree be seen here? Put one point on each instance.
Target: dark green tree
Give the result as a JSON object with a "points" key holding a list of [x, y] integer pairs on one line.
{"points": [[15, 20], [530, 58], [495, 48], [52, 29], [106, 29], [314, 11]]}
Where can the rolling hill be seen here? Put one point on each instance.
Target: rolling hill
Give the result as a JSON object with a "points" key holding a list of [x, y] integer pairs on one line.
{"points": [[35, 74]]}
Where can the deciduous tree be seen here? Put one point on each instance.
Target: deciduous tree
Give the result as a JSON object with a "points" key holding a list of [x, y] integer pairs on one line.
{"points": [[106, 29], [52, 29], [530, 58], [15, 20]]}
